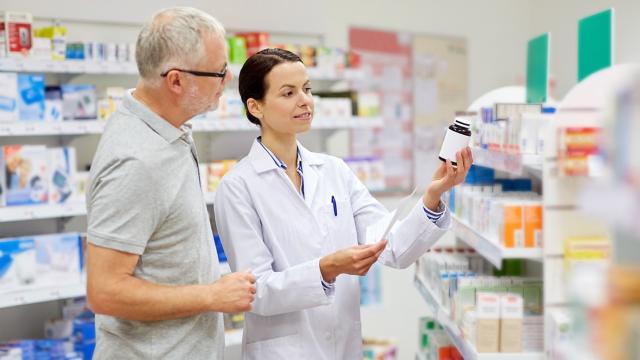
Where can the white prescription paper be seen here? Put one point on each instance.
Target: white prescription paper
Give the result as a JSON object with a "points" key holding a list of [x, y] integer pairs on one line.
{"points": [[380, 230]]}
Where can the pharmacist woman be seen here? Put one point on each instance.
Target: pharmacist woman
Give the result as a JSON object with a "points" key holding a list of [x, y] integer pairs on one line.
{"points": [[298, 219]]}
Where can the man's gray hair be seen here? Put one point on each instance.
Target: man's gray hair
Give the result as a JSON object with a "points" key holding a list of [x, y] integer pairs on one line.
{"points": [[173, 38]]}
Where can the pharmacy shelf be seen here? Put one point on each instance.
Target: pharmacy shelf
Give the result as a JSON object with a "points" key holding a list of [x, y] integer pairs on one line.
{"points": [[233, 337], [37, 295], [21, 64], [317, 73], [87, 127], [570, 351], [67, 66], [46, 211], [466, 349], [489, 249], [512, 163], [53, 211], [77, 127]]}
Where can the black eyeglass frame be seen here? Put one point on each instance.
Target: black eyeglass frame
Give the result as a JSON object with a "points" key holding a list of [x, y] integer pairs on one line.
{"points": [[198, 73]]}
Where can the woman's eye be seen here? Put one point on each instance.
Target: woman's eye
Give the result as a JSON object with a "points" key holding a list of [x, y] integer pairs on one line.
{"points": [[288, 93], [307, 90]]}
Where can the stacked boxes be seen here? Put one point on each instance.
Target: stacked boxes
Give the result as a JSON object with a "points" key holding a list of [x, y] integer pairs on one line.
{"points": [[24, 97], [34, 174], [504, 210], [495, 313], [514, 128], [27, 180], [255, 41], [40, 261], [578, 149], [17, 264]]}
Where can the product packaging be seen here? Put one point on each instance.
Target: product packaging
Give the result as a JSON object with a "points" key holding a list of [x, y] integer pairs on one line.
{"points": [[511, 313], [8, 97], [487, 322], [26, 169], [31, 104], [17, 264], [62, 169], [53, 104], [79, 101], [458, 137], [18, 33], [58, 259]]}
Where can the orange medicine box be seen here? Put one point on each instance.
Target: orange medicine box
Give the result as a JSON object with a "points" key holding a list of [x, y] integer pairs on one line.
{"points": [[512, 225], [532, 213]]}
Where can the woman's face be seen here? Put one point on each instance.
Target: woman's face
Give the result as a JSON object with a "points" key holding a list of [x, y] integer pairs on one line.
{"points": [[287, 107]]}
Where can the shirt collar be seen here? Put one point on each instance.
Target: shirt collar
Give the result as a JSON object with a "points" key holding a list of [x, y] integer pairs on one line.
{"points": [[161, 126], [264, 159]]}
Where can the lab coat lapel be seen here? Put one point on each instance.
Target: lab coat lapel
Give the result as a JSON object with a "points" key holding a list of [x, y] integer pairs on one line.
{"points": [[311, 178]]}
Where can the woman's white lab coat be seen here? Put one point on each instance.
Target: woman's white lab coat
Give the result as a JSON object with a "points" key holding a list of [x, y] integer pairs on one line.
{"points": [[267, 226]]}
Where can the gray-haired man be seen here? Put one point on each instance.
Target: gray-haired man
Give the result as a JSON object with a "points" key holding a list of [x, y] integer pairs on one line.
{"points": [[151, 265]]}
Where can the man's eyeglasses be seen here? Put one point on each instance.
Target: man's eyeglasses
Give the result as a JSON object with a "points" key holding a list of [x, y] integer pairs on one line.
{"points": [[198, 73]]}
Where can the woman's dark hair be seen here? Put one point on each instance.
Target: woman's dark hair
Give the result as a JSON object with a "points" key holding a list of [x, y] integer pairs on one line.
{"points": [[252, 79]]}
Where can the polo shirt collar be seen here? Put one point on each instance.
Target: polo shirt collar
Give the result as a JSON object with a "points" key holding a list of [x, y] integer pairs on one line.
{"points": [[161, 126]]}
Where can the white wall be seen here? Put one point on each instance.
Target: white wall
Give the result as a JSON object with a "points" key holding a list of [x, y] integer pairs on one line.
{"points": [[561, 19]]}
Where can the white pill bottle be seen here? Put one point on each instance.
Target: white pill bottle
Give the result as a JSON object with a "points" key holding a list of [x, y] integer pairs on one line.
{"points": [[457, 138]]}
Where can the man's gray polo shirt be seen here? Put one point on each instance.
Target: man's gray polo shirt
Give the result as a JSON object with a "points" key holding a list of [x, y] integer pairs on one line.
{"points": [[145, 198]]}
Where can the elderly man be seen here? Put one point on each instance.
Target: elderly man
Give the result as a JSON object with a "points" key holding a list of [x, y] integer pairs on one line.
{"points": [[151, 265]]}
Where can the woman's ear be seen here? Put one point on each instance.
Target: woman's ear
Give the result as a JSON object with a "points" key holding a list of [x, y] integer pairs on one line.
{"points": [[254, 108]]}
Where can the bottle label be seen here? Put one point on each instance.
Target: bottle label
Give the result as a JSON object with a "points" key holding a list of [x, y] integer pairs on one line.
{"points": [[453, 142]]}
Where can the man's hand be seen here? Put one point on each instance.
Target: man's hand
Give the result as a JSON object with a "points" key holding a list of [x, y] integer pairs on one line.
{"points": [[446, 177], [355, 260], [233, 292]]}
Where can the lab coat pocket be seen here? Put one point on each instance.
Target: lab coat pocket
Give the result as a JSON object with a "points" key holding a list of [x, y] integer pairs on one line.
{"points": [[284, 347], [338, 223]]}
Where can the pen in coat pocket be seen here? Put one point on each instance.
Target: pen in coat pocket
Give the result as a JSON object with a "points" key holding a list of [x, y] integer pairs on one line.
{"points": [[335, 207]]}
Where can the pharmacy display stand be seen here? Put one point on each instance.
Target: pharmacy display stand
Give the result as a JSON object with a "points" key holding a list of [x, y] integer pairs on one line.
{"points": [[567, 200], [490, 249], [572, 208]]}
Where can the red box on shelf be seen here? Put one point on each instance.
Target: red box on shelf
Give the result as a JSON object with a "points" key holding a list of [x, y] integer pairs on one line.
{"points": [[256, 41]]}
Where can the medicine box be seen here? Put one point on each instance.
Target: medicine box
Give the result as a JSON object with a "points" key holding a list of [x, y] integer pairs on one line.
{"points": [[26, 171], [31, 104], [532, 212], [18, 33], [61, 173], [512, 227], [8, 97], [17, 264], [79, 102], [52, 104], [487, 322], [511, 314], [58, 259]]}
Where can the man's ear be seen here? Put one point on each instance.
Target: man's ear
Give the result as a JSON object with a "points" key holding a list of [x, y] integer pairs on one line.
{"points": [[255, 108], [174, 82]]}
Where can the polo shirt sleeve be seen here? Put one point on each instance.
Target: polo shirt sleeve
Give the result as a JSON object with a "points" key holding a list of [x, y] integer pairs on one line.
{"points": [[123, 209]]}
